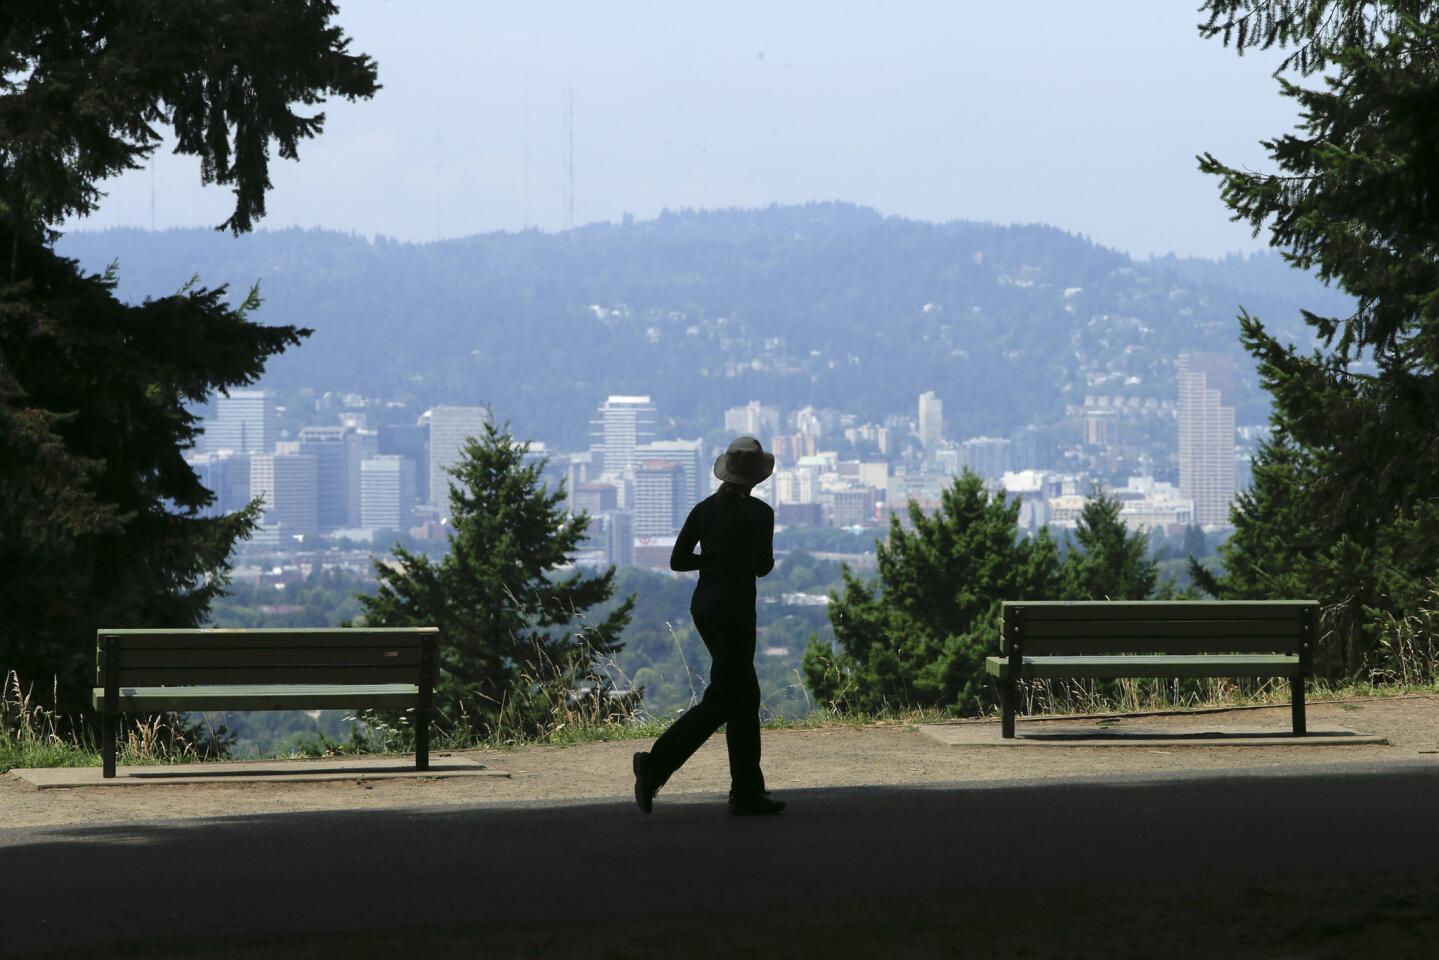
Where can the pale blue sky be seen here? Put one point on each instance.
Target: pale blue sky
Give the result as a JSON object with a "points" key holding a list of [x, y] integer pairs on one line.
{"points": [[1084, 115]]}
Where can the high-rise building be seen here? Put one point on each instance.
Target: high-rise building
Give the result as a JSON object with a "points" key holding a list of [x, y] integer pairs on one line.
{"points": [[620, 538], [753, 419], [227, 476], [853, 507], [411, 440], [338, 452], [789, 448], [1101, 427], [660, 497], [387, 492], [987, 456], [594, 498], [799, 485], [931, 420], [579, 468], [288, 483], [449, 427], [689, 454], [624, 423], [1206, 435], [243, 423]]}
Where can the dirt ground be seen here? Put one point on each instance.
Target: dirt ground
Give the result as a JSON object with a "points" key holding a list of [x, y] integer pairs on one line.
{"points": [[881, 754]]}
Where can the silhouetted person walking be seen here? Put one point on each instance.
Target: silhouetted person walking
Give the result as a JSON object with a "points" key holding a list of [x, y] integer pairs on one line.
{"points": [[735, 533]]}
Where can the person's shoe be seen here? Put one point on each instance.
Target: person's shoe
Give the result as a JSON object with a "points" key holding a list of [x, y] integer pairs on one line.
{"points": [[759, 806], [646, 786]]}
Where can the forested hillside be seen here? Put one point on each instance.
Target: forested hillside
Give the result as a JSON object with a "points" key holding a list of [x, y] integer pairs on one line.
{"points": [[828, 304]]}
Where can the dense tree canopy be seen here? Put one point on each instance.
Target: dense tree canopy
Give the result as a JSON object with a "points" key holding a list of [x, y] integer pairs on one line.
{"points": [[1355, 196], [100, 519]]}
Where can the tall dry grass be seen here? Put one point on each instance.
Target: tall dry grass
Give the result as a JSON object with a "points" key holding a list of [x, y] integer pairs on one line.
{"points": [[34, 735]]}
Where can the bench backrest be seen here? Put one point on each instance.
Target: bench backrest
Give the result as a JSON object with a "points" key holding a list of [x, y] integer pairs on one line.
{"points": [[157, 658], [1159, 626]]}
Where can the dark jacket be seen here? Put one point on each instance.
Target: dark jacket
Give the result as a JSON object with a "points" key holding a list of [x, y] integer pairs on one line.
{"points": [[735, 533]]}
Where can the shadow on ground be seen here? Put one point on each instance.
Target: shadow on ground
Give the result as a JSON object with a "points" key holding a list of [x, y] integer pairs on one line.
{"points": [[1301, 863]]}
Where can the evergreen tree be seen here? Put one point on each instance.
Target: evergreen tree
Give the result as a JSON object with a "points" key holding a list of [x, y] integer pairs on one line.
{"points": [[1313, 31], [100, 517], [1111, 563], [506, 621], [919, 636], [1355, 199]]}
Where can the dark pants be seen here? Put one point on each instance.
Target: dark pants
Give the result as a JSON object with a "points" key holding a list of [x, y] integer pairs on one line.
{"points": [[726, 622]]}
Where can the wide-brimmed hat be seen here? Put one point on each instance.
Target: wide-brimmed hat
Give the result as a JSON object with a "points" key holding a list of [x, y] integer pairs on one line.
{"points": [[744, 462]]}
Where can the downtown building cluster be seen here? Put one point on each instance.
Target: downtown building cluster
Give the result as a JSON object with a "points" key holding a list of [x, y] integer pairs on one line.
{"points": [[345, 479]]}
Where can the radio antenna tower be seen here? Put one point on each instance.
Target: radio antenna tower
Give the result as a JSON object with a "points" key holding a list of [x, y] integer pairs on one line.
{"points": [[570, 160], [152, 193], [527, 163]]}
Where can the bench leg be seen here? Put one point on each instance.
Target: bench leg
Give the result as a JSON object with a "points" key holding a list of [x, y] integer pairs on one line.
{"points": [[1007, 697], [109, 727], [1296, 705], [108, 734], [422, 738]]}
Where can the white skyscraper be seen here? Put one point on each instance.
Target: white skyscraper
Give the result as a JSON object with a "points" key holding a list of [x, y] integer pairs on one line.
{"points": [[1206, 435], [243, 423], [449, 426], [624, 423], [931, 420], [387, 492], [659, 496]]}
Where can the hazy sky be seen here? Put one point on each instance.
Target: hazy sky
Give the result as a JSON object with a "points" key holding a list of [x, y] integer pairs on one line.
{"points": [[1085, 115]]}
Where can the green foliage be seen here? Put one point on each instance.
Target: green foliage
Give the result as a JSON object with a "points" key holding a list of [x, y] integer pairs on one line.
{"points": [[100, 519], [918, 638], [1347, 498], [1111, 563], [1314, 31], [505, 622], [86, 88], [326, 598], [99, 515]]}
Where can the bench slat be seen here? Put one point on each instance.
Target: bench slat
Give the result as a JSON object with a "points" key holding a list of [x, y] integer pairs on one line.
{"points": [[1157, 644], [298, 637], [227, 656], [250, 697], [1278, 627], [251, 674], [1150, 666], [1214, 610]]}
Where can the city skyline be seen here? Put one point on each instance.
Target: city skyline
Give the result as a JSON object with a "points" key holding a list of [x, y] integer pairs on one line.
{"points": [[831, 469]]}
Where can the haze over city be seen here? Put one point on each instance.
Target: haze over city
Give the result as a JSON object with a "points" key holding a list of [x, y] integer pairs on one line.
{"points": [[1086, 117]]}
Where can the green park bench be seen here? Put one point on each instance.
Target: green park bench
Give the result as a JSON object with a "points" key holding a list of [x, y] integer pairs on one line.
{"points": [[157, 671], [1154, 638]]}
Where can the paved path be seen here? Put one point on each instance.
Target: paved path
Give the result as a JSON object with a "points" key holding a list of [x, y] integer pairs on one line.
{"points": [[862, 858]]}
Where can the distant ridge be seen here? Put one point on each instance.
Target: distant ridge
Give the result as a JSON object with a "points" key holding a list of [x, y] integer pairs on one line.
{"points": [[828, 304]]}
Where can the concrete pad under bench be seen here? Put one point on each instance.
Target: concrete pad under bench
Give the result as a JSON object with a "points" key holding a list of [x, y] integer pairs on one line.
{"points": [[442, 766], [1147, 732]]}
